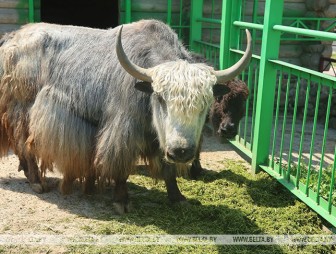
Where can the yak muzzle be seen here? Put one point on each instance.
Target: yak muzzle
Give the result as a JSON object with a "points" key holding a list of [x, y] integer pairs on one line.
{"points": [[180, 155], [228, 130]]}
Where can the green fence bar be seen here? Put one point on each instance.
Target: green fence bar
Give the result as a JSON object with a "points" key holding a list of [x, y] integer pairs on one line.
{"points": [[128, 11], [332, 182], [267, 81], [276, 118], [308, 74], [323, 146], [290, 153], [31, 11], [304, 120], [196, 13], [312, 143], [249, 25], [284, 122], [306, 32], [256, 77], [169, 12], [209, 20]]}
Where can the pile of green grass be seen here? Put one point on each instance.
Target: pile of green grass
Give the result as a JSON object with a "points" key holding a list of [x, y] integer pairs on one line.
{"points": [[231, 201], [312, 176]]}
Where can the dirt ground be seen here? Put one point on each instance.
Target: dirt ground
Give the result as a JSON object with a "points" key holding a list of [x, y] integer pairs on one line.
{"points": [[25, 212]]}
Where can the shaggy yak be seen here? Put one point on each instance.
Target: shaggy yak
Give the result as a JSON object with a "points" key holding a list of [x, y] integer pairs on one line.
{"points": [[92, 102], [225, 114]]}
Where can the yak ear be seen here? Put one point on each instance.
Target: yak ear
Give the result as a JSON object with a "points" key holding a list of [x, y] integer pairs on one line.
{"points": [[144, 86], [219, 90]]}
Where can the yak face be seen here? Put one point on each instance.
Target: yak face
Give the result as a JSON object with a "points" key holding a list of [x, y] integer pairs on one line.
{"points": [[227, 126], [227, 110], [182, 95]]}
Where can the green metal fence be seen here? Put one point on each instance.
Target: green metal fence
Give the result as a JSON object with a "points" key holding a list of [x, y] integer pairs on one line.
{"points": [[280, 141], [174, 12]]}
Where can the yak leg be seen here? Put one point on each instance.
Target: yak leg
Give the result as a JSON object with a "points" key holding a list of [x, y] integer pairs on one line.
{"points": [[66, 184], [169, 176], [90, 179], [30, 168], [196, 168], [121, 199]]}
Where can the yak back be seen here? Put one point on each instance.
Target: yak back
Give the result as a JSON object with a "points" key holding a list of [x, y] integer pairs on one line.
{"points": [[70, 77]]}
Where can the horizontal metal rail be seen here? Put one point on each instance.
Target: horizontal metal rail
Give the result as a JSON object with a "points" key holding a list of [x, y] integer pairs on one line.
{"points": [[209, 20], [248, 25], [306, 32], [308, 74]]}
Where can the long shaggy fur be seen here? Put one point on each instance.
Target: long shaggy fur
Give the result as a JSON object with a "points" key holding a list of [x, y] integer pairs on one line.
{"points": [[66, 99]]}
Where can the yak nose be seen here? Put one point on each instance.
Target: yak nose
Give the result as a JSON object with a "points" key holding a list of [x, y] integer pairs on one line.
{"points": [[227, 130], [180, 155]]}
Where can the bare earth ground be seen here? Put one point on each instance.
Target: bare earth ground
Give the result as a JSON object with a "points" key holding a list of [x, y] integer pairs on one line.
{"points": [[25, 212]]}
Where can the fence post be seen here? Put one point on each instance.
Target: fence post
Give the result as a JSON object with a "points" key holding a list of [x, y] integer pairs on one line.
{"points": [[266, 84], [31, 11], [128, 11], [229, 32], [196, 13]]}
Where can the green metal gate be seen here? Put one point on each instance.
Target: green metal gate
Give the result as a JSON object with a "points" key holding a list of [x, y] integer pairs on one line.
{"points": [[286, 129], [262, 135]]}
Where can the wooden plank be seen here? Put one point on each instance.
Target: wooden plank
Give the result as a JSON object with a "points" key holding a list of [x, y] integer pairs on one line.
{"points": [[152, 15], [13, 16], [150, 6], [6, 28], [21, 4]]}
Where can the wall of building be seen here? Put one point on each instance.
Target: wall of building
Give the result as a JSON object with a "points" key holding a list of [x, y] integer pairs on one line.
{"points": [[14, 13]]}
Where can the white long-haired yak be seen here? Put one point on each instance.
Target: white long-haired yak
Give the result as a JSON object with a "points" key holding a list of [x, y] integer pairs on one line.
{"points": [[91, 102]]}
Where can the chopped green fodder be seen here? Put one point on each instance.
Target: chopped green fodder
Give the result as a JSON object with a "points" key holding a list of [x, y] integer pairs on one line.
{"points": [[317, 179], [231, 201]]}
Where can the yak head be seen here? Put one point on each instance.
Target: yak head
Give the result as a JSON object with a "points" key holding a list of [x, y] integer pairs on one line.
{"points": [[181, 95], [227, 110]]}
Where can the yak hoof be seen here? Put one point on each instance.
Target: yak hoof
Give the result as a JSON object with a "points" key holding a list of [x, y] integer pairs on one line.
{"points": [[180, 199], [195, 175], [37, 187], [122, 208]]}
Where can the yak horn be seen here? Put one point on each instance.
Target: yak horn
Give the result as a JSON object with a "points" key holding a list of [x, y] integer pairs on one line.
{"points": [[233, 71], [136, 71]]}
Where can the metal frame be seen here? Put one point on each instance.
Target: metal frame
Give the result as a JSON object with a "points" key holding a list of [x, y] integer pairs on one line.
{"points": [[270, 72]]}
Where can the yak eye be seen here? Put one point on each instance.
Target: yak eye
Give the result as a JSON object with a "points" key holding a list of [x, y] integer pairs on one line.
{"points": [[160, 99]]}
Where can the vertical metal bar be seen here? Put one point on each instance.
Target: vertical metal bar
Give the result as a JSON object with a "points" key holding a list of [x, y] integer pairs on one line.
{"points": [[212, 16], [290, 154], [196, 13], [169, 12], [249, 81], [267, 82], [180, 18], [312, 143], [284, 122], [325, 134], [128, 11], [31, 11], [229, 33], [298, 173], [332, 183], [254, 19], [276, 118], [256, 77]]}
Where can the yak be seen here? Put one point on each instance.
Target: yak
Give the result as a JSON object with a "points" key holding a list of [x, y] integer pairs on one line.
{"points": [[225, 114], [91, 102]]}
